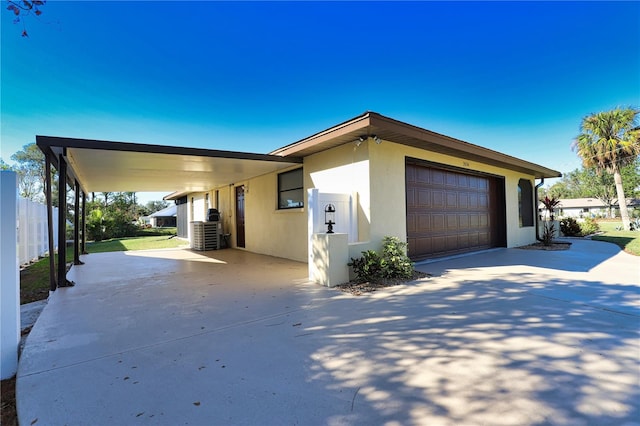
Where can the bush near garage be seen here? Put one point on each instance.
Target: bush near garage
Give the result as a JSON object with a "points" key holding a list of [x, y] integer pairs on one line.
{"points": [[393, 263]]}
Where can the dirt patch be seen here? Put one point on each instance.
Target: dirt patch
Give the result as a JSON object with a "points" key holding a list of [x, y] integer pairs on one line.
{"points": [[555, 246], [8, 407], [358, 288]]}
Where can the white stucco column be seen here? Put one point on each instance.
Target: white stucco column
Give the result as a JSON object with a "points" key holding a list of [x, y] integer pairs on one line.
{"points": [[9, 275], [328, 259]]}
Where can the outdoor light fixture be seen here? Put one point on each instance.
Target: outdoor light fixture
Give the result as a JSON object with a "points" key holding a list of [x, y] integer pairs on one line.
{"points": [[363, 138], [329, 217]]}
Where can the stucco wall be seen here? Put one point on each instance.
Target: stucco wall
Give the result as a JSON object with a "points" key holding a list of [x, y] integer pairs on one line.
{"points": [[281, 233], [388, 204], [225, 207], [344, 169], [376, 172]]}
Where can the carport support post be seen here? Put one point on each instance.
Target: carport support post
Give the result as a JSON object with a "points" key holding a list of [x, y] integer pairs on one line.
{"points": [[83, 242], [52, 259], [76, 225], [9, 275], [62, 222]]}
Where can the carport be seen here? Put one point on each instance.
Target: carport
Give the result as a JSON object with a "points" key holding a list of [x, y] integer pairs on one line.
{"points": [[103, 166]]}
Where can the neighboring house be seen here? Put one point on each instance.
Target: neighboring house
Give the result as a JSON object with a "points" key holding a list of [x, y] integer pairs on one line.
{"points": [[164, 218], [591, 207], [441, 195]]}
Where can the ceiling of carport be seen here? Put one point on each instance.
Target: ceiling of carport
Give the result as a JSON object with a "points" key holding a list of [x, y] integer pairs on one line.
{"points": [[103, 166]]}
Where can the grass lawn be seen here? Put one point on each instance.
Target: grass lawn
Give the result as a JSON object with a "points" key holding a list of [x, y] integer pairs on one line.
{"points": [[628, 241], [34, 280], [134, 243]]}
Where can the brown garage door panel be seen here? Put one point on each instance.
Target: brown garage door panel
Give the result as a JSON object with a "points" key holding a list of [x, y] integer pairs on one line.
{"points": [[448, 212]]}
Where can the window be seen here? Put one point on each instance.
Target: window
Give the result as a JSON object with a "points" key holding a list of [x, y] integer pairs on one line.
{"points": [[290, 189], [525, 203]]}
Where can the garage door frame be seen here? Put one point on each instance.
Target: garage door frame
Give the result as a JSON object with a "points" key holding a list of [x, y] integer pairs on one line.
{"points": [[497, 207]]}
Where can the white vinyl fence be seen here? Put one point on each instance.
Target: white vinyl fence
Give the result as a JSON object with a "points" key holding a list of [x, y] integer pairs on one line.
{"points": [[33, 239]]}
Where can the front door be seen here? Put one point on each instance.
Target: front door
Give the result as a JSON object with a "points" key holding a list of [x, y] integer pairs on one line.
{"points": [[240, 216]]}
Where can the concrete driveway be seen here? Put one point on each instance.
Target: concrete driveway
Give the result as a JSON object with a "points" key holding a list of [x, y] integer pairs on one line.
{"points": [[506, 337]]}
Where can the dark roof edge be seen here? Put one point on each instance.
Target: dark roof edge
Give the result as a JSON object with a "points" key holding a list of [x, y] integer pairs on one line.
{"points": [[466, 146], [46, 143], [371, 118], [309, 139]]}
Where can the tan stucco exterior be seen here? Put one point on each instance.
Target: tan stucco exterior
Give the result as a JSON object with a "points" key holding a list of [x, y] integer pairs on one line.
{"points": [[388, 204], [281, 233], [373, 171]]}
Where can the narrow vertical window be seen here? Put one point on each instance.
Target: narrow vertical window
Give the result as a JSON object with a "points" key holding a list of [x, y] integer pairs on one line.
{"points": [[525, 203], [290, 189]]}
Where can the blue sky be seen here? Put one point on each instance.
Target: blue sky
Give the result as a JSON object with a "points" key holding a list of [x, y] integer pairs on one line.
{"points": [[514, 77]]}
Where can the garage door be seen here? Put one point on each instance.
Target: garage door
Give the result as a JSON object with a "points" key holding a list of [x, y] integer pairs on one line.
{"points": [[450, 212]]}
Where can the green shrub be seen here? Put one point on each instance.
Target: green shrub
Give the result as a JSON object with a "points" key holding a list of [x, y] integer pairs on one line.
{"points": [[392, 264], [570, 227], [95, 228], [395, 263], [589, 226], [367, 268]]}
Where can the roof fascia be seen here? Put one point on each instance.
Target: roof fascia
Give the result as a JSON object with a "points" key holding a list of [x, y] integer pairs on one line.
{"points": [[373, 120], [474, 152], [47, 143], [343, 128], [53, 153]]}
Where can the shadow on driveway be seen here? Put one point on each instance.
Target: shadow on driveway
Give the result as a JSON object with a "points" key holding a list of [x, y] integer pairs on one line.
{"points": [[177, 337]]}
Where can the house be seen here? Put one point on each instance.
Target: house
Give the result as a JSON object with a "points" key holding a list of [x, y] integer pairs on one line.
{"points": [[164, 218], [592, 207], [441, 195]]}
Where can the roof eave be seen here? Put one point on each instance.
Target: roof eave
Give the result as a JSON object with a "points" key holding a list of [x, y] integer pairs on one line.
{"points": [[371, 123]]}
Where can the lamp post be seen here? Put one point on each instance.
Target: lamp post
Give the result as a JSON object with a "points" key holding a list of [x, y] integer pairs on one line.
{"points": [[329, 217]]}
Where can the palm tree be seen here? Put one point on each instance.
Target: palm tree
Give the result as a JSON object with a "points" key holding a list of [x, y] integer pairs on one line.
{"points": [[608, 141]]}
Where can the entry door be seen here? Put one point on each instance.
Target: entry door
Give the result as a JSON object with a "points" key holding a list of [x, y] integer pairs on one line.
{"points": [[240, 216]]}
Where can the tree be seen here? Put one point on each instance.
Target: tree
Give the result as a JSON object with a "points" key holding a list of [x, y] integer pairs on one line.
{"points": [[30, 169], [608, 141], [600, 186], [4, 166], [631, 179], [24, 8], [570, 186], [106, 196], [155, 206]]}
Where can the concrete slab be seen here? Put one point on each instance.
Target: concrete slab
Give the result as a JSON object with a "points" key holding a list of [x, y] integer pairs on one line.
{"points": [[230, 337], [29, 313]]}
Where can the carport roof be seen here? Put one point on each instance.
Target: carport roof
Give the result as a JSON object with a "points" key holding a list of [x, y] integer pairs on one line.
{"points": [[372, 124], [105, 166]]}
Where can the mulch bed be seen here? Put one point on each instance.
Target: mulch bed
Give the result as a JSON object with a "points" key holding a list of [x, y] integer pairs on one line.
{"points": [[357, 288], [554, 246]]}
